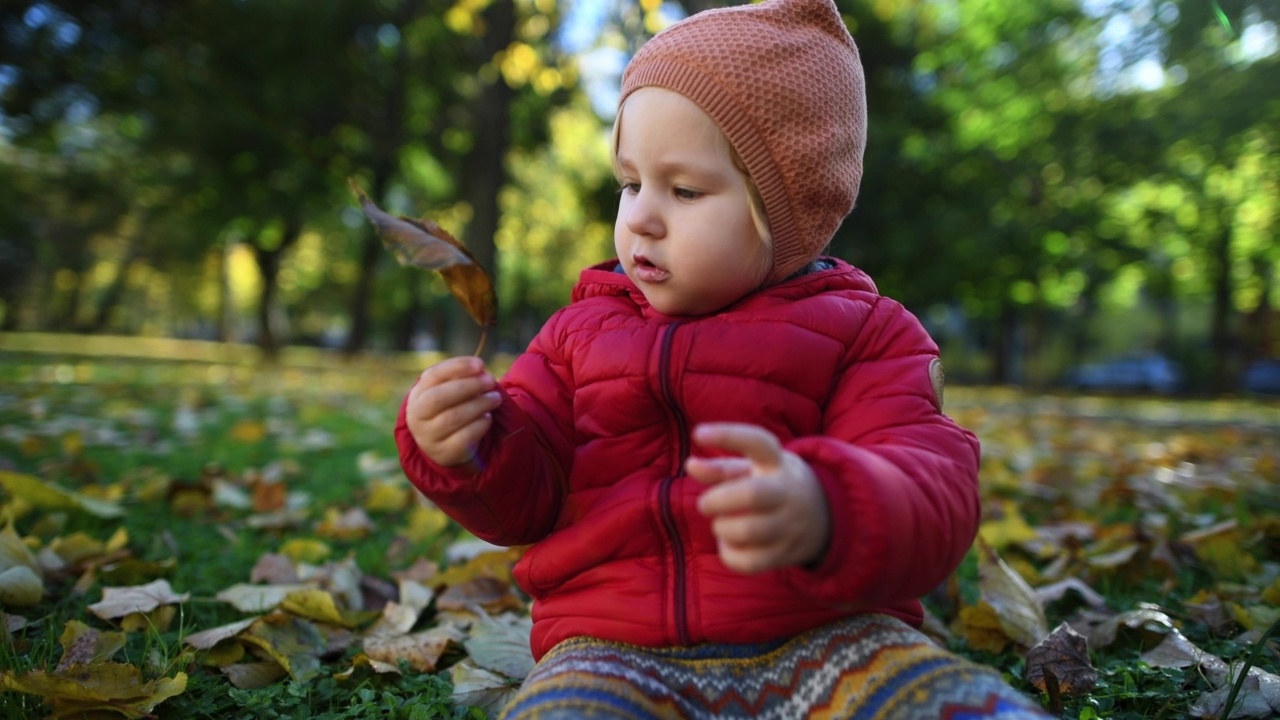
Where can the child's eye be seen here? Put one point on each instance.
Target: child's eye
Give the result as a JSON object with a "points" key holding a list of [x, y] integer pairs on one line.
{"points": [[629, 187], [687, 194]]}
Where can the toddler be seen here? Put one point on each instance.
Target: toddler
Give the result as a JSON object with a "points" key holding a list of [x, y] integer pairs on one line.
{"points": [[728, 453]]}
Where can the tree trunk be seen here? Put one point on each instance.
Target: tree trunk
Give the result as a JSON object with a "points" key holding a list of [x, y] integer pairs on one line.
{"points": [[488, 170], [1003, 348], [115, 292], [269, 339], [370, 254], [1220, 340]]}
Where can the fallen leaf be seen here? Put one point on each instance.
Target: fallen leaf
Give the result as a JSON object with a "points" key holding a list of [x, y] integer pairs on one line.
{"points": [[1065, 654], [422, 243], [253, 676], [48, 496], [501, 644], [291, 641], [79, 688], [485, 689], [490, 594], [206, 639], [122, 601], [83, 645], [1014, 602], [420, 650], [320, 605], [274, 568], [1259, 697], [257, 598], [20, 586]]}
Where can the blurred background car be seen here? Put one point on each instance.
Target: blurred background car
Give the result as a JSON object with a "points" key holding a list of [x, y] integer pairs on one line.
{"points": [[1148, 372], [1263, 377]]}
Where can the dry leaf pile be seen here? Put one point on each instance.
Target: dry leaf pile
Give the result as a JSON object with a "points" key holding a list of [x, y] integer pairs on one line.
{"points": [[1105, 540]]}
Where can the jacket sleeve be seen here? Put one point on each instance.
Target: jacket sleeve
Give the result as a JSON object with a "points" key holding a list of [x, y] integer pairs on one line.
{"points": [[512, 492], [901, 478]]}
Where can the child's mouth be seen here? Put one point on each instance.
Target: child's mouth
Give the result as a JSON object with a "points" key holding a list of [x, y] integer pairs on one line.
{"points": [[646, 271]]}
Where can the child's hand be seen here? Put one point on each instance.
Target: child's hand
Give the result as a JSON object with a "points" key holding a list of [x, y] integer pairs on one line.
{"points": [[448, 411], [767, 507]]}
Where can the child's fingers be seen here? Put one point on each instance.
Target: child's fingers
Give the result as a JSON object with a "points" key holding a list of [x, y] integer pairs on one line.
{"points": [[441, 398], [748, 559], [456, 368], [748, 530], [717, 470], [755, 494], [458, 416], [751, 441]]}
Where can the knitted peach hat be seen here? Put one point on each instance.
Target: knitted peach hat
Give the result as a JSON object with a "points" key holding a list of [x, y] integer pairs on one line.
{"points": [[783, 81]]}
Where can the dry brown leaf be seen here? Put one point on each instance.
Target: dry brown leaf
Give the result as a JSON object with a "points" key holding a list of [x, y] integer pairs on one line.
{"points": [[422, 243], [1065, 654], [492, 595], [275, 569], [420, 650]]}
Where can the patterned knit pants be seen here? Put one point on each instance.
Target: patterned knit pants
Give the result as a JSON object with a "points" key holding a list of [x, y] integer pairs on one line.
{"points": [[871, 666]]}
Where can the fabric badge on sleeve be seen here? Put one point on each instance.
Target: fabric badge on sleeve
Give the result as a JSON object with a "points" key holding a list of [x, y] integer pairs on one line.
{"points": [[936, 376]]}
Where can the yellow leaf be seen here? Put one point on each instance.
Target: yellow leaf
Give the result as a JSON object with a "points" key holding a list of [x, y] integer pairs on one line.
{"points": [[425, 523], [48, 496], [1009, 529], [313, 604], [248, 431], [495, 565], [77, 547], [388, 496], [73, 443], [351, 524], [981, 628], [117, 683], [308, 550], [227, 652], [13, 551], [1015, 604], [258, 598], [1222, 549], [83, 645], [159, 620], [119, 540]]}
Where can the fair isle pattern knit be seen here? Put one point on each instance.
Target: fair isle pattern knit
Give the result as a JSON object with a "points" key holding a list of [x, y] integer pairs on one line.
{"points": [[872, 666]]}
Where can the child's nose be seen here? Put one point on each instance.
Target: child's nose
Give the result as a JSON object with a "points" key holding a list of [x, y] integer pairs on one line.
{"points": [[644, 216]]}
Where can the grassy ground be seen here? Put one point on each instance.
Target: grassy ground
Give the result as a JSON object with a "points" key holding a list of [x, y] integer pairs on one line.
{"points": [[148, 428]]}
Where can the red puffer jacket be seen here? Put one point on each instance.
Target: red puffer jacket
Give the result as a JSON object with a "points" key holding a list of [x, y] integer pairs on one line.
{"points": [[585, 460]]}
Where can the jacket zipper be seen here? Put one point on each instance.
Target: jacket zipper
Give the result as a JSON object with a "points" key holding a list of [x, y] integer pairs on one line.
{"points": [[666, 506]]}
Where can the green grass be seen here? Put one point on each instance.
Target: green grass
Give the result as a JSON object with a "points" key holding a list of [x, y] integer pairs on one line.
{"points": [[94, 423], [317, 421]]}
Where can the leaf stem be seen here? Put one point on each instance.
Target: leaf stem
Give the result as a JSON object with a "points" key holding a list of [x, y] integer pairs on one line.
{"points": [[484, 335]]}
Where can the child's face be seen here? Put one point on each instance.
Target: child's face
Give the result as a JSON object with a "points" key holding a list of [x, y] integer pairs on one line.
{"points": [[684, 232]]}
